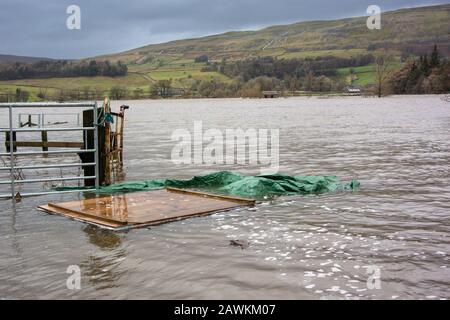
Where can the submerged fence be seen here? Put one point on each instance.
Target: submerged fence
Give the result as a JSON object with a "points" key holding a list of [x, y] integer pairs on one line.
{"points": [[12, 152]]}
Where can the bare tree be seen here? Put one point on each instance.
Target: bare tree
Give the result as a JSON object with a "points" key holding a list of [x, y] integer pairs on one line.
{"points": [[383, 69], [118, 92]]}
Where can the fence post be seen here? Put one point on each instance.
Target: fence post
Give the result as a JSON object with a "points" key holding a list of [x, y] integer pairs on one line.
{"points": [[44, 140], [11, 152]]}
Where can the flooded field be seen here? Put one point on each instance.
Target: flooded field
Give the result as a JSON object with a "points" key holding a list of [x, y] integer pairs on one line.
{"points": [[314, 247]]}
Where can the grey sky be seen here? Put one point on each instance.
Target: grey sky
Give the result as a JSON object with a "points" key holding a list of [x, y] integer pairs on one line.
{"points": [[38, 27]]}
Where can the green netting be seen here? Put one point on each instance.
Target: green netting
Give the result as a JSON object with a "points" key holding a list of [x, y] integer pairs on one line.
{"points": [[229, 183]]}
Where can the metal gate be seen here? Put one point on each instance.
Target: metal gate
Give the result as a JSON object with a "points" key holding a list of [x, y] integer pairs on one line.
{"points": [[12, 154]]}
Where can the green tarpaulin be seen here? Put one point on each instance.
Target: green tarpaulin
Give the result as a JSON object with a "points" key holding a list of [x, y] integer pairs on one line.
{"points": [[229, 183]]}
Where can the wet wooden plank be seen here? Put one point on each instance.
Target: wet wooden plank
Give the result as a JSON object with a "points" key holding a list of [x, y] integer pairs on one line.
{"points": [[210, 195], [79, 217], [146, 208]]}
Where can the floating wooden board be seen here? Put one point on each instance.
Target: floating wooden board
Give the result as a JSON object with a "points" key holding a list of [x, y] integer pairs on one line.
{"points": [[141, 209]]}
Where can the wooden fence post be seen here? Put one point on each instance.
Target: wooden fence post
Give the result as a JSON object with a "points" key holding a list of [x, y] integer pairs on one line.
{"points": [[107, 153], [44, 140]]}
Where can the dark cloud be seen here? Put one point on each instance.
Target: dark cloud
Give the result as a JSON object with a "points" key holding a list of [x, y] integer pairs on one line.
{"points": [[38, 28]]}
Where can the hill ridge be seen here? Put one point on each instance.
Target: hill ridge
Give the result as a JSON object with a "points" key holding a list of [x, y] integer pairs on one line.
{"points": [[416, 25]]}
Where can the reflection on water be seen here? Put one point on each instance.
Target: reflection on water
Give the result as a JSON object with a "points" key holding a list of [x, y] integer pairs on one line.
{"points": [[104, 239], [114, 207], [313, 247], [100, 270]]}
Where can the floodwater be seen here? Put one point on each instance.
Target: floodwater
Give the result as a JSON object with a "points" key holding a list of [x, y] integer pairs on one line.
{"points": [[315, 247]]}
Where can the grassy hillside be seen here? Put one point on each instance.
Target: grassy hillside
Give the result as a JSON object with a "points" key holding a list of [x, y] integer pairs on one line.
{"points": [[418, 27], [409, 30]]}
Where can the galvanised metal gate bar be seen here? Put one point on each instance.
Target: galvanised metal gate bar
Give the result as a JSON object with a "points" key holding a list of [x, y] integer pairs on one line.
{"points": [[11, 154]]}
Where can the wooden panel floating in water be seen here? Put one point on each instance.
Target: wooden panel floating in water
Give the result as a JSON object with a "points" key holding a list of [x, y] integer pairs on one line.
{"points": [[142, 209]]}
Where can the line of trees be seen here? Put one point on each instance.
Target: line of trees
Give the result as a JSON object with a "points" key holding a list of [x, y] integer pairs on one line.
{"points": [[214, 88], [427, 74], [61, 68], [282, 68]]}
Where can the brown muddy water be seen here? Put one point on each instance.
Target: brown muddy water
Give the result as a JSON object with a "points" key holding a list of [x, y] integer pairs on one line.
{"points": [[313, 247]]}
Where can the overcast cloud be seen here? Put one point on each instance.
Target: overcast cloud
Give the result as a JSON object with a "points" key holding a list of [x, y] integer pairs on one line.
{"points": [[38, 28]]}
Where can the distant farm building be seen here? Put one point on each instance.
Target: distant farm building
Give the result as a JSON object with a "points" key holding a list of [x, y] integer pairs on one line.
{"points": [[353, 90], [270, 94]]}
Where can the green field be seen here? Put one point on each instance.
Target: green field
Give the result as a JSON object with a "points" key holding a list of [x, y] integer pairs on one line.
{"points": [[363, 76]]}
